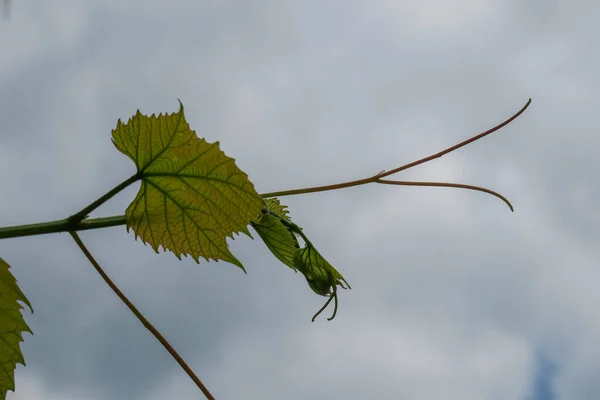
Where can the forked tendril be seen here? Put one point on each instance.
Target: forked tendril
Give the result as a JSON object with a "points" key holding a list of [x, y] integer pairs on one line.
{"points": [[377, 178], [333, 296]]}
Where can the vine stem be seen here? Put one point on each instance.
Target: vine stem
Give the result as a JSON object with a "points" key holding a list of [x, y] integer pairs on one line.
{"points": [[141, 317], [78, 221]]}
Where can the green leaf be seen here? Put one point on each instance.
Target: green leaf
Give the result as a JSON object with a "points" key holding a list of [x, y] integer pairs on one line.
{"points": [[192, 195], [12, 325], [278, 232], [278, 238]]}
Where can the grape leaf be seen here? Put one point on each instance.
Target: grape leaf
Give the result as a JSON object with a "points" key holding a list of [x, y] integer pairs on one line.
{"points": [[12, 325], [192, 195], [278, 232]]}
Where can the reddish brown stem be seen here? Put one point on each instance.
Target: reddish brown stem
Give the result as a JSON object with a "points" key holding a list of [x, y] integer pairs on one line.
{"points": [[447, 184], [458, 146], [141, 317], [377, 178]]}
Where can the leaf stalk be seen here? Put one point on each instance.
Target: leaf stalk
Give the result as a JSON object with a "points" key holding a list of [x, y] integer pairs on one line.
{"points": [[79, 216]]}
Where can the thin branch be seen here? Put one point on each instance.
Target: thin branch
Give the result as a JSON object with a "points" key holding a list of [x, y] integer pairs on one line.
{"points": [[140, 317], [324, 188], [62, 225]]}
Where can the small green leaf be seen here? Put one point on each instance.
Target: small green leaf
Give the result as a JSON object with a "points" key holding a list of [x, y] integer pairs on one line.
{"points": [[278, 238], [192, 195], [12, 325], [274, 206]]}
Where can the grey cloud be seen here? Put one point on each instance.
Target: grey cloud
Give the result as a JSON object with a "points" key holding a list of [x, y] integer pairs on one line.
{"points": [[451, 293]]}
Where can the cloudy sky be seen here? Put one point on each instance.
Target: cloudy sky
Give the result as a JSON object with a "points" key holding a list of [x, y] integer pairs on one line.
{"points": [[453, 296]]}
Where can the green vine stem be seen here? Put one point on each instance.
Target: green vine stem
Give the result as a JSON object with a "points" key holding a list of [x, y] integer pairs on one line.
{"points": [[141, 317], [63, 225], [79, 222]]}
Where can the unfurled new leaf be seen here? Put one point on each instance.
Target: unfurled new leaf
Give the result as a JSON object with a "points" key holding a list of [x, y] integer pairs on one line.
{"points": [[12, 325], [278, 238], [279, 234], [192, 195], [321, 276]]}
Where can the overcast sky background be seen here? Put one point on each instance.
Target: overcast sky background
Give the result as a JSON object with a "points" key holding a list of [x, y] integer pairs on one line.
{"points": [[453, 296]]}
